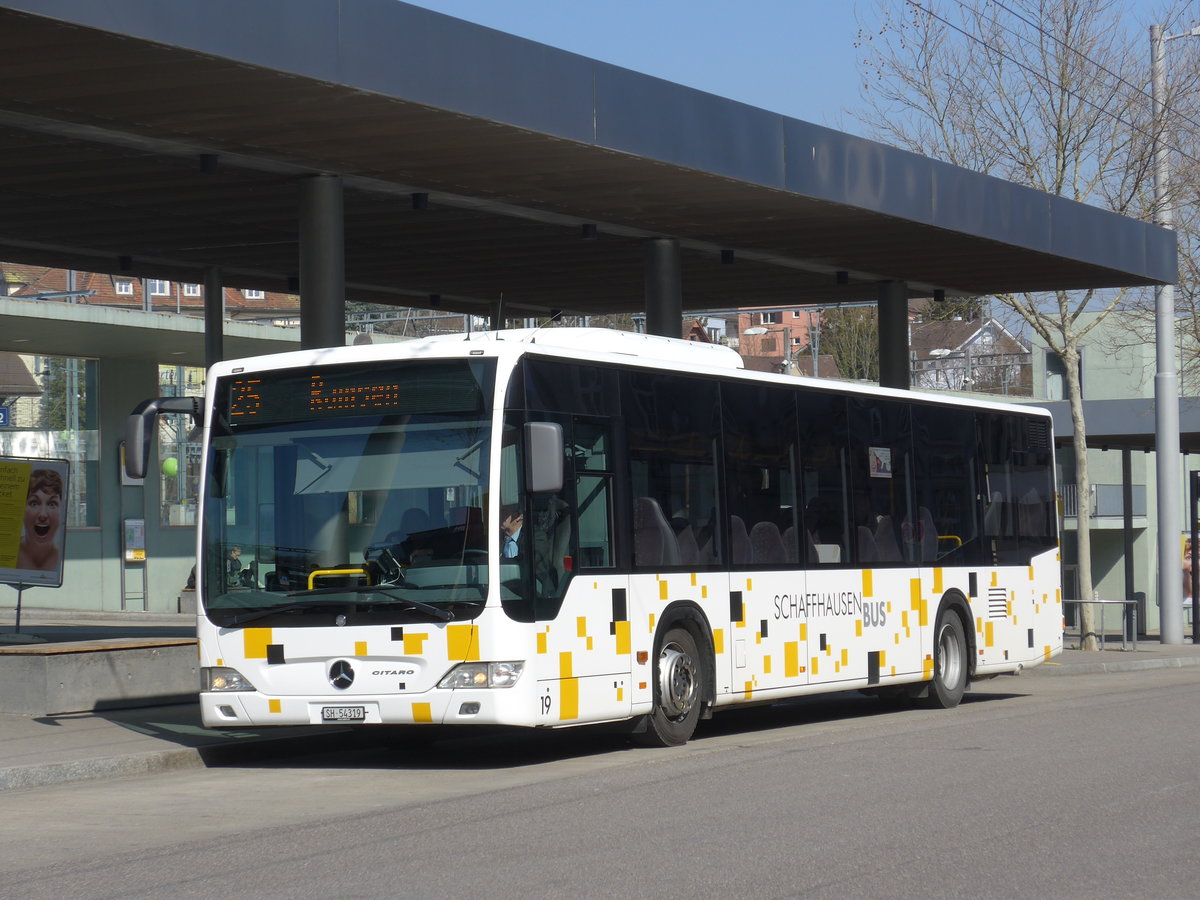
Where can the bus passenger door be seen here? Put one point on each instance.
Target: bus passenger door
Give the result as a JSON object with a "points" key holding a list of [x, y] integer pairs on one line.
{"points": [[583, 627]]}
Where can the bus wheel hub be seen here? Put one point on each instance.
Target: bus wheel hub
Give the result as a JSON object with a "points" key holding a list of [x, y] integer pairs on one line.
{"points": [[677, 681]]}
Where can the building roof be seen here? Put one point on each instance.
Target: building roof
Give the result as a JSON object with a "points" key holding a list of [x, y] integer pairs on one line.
{"points": [[157, 138], [957, 334], [15, 378]]}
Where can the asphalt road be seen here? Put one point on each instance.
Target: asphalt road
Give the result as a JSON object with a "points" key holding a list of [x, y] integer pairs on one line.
{"points": [[1052, 787]]}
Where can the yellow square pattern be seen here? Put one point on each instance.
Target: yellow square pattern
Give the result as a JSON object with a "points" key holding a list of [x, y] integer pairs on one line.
{"points": [[791, 659], [254, 642], [414, 644], [462, 642], [623, 642], [568, 698]]}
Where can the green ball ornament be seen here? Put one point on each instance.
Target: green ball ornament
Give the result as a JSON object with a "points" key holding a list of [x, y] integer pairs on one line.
{"points": [[170, 467]]}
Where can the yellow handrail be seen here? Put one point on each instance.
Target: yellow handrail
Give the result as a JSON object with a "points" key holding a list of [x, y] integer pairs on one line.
{"points": [[328, 573]]}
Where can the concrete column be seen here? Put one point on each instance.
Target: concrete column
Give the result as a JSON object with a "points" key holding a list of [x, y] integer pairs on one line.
{"points": [[894, 369], [322, 263], [664, 287], [214, 316]]}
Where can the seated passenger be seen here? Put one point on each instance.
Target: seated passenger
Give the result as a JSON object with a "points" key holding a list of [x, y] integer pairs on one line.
{"points": [[511, 523]]}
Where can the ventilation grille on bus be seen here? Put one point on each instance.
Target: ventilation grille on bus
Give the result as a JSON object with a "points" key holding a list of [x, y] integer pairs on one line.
{"points": [[1037, 434], [997, 603]]}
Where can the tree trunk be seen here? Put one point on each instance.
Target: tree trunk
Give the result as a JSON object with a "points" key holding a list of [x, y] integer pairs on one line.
{"points": [[1087, 612]]}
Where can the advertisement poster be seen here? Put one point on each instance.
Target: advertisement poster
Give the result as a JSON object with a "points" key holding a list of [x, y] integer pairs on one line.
{"points": [[880, 461], [33, 521]]}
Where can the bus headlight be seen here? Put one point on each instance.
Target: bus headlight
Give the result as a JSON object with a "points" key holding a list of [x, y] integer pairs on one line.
{"points": [[483, 675], [223, 678]]}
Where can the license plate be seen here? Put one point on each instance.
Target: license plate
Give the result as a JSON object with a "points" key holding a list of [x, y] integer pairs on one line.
{"points": [[343, 713]]}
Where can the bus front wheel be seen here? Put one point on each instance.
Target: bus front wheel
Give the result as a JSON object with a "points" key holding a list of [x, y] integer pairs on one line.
{"points": [[950, 663], [678, 691]]}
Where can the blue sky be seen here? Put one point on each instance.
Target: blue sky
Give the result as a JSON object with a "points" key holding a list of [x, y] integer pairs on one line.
{"points": [[795, 57]]}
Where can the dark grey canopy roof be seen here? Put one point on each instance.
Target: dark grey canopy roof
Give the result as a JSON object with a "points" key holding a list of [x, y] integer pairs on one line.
{"points": [[157, 138]]}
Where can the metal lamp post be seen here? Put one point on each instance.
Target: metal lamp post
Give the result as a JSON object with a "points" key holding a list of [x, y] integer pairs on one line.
{"points": [[1166, 381]]}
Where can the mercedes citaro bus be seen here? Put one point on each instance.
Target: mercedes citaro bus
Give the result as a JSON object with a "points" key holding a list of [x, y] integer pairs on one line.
{"points": [[565, 526]]}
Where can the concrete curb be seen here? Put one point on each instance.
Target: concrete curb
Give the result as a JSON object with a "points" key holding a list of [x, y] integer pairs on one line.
{"points": [[1097, 668], [149, 763], [157, 762]]}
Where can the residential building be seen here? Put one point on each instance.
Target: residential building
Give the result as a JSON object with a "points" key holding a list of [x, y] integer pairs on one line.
{"points": [[1113, 367]]}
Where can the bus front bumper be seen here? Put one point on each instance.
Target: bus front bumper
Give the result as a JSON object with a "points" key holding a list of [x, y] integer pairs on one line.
{"points": [[241, 709]]}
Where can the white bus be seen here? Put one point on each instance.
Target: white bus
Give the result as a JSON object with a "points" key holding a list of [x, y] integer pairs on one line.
{"points": [[566, 526]]}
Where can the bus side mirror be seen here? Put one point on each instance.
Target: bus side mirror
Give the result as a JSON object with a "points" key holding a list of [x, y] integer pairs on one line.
{"points": [[138, 428], [543, 457]]}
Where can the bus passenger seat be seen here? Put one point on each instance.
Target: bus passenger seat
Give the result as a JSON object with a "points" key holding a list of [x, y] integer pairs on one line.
{"points": [[886, 546], [766, 544], [654, 542], [929, 536], [689, 550], [867, 551], [811, 553], [790, 547], [739, 541], [993, 515]]}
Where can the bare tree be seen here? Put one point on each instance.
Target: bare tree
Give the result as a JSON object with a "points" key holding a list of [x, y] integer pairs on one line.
{"points": [[851, 336], [1047, 93]]}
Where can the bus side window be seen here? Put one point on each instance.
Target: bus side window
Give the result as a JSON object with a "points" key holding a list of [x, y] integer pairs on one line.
{"points": [[551, 517], [592, 452], [672, 429], [1018, 495], [760, 486], [881, 478], [824, 478], [946, 528]]}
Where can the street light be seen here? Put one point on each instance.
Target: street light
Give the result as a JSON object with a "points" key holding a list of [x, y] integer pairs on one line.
{"points": [[1166, 381]]}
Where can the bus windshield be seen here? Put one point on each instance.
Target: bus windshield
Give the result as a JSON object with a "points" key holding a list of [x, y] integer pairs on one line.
{"points": [[352, 490]]}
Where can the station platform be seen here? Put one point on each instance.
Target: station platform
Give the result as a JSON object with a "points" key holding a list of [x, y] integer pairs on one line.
{"points": [[108, 742]]}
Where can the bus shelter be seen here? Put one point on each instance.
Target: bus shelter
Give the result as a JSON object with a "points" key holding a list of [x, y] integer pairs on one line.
{"points": [[381, 152]]}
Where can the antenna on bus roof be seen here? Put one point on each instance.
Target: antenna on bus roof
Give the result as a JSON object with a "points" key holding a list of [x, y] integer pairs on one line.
{"points": [[555, 315]]}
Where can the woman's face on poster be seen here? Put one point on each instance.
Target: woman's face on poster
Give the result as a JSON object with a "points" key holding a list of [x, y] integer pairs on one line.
{"points": [[42, 510]]}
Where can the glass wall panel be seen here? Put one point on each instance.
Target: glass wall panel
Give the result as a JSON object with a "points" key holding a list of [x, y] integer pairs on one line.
{"points": [[179, 458], [52, 414]]}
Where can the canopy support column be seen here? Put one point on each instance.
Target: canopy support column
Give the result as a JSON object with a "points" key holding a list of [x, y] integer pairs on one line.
{"points": [[214, 316], [894, 369], [322, 263], [664, 288]]}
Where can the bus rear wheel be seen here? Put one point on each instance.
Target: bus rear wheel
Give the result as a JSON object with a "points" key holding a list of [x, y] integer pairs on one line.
{"points": [[678, 692], [949, 663]]}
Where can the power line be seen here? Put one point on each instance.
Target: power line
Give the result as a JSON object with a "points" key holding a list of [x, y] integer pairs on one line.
{"points": [[1103, 68], [1041, 76]]}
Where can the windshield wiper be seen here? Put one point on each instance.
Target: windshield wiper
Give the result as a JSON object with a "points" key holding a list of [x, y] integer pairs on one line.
{"points": [[286, 607], [438, 613]]}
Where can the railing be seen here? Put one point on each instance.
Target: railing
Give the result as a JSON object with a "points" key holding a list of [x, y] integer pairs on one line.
{"points": [[1107, 500], [1129, 620]]}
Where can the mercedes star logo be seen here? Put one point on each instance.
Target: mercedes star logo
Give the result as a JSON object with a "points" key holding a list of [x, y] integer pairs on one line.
{"points": [[341, 674]]}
